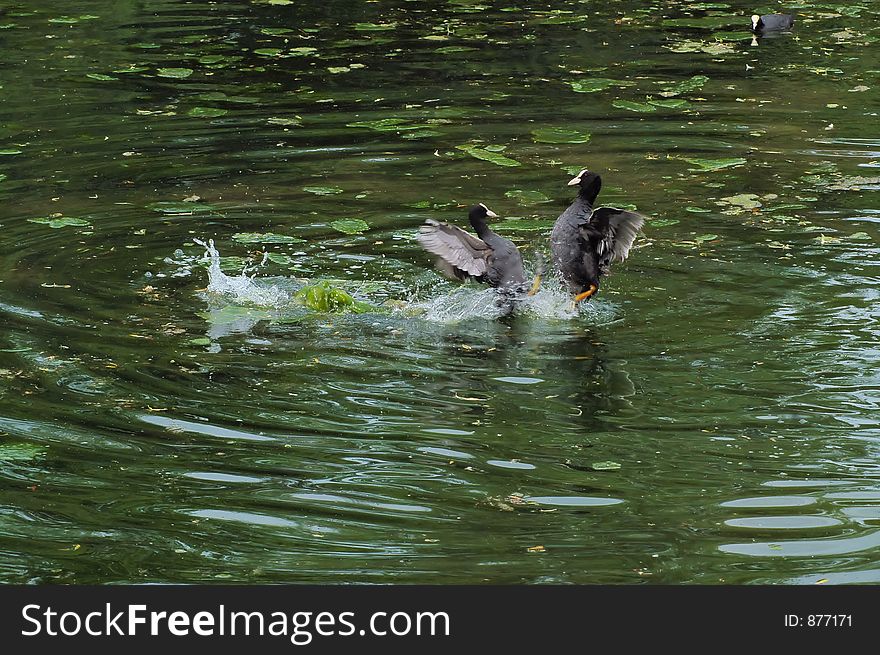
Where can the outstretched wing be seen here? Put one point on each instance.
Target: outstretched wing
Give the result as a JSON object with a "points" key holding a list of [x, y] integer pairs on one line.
{"points": [[456, 247], [619, 229]]}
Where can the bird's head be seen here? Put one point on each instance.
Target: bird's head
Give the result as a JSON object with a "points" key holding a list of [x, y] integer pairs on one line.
{"points": [[589, 182], [480, 212], [756, 22]]}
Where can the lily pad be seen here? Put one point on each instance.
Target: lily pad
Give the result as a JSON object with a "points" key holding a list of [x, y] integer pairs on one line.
{"points": [[323, 190], [19, 452], [594, 84], [744, 200], [606, 466], [527, 197], [708, 47], [264, 237], [488, 155], [350, 225], [633, 106], [693, 84], [374, 27], [60, 221], [713, 164], [559, 135], [178, 73], [181, 208], [101, 77], [670, 103]]}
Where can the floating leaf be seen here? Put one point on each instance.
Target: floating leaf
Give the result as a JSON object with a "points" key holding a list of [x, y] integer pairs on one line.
{"points": [[19, 452], [269, 52], [697, 210], [350, 225], [178, 73], [671, 103], [709, 47], [705, 237], [207, 112], [606, 466], [264, 237], [559, 135], [172, 207], [301, 51], [693, 84], [860, 236], [713, 164], [527, 197], [374, 27], [450, 49], [633, 106], [744, 200], [61, 221], [10, 151], [663, 222], [594, 84], [101, 77], [323, 190], [488, 155], [278, 258], [200, 341]]}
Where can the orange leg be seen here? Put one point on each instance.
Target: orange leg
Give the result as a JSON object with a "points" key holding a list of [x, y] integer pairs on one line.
{"points": [[536, 285], [586, 294]]}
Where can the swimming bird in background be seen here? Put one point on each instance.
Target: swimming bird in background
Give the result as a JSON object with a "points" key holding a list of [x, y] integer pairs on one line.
{"points": [[487, 257], [771, 23], [586, 241]]}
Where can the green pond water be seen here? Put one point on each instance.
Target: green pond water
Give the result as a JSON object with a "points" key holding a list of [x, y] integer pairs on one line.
{"points": [[710, 417]]}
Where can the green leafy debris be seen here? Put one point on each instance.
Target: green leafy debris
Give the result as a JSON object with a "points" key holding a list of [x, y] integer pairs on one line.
{"points": [[178, 73], [61, 221], [324, 297], [489, 155], [527, 197], [633, 106], [350, 225], [559, 135], [595, 84]]}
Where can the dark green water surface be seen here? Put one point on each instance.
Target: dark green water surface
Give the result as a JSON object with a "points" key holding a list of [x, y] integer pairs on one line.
{"points": [[712, 416]]}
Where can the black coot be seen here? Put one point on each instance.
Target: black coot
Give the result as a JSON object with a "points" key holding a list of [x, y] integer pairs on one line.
{"points": [[586, 241], [771, 23], [487, 257]]}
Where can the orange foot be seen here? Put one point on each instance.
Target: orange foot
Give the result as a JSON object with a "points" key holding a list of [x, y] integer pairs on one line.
{"points": [[586, 294], [536, 285]]}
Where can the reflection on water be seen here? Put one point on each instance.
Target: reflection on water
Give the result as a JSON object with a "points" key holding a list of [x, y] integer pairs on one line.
{"points": [[711, 416]]}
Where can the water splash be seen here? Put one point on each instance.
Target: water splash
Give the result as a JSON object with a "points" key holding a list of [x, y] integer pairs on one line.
{"points": [[241, 289]]}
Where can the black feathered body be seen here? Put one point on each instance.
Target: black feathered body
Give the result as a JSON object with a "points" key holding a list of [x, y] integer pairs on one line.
{"points": [[585, 241], [774, 23], [573, 258]]}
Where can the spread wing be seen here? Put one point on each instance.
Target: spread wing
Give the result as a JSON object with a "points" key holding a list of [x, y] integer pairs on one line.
{"points": [[619, 228], [455, 247]]}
